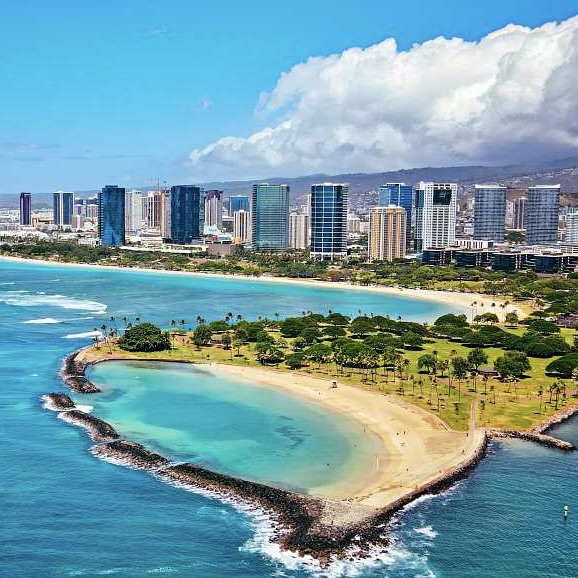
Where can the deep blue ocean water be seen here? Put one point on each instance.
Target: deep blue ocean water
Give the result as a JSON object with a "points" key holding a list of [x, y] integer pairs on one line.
{"points": [[65, 513]]}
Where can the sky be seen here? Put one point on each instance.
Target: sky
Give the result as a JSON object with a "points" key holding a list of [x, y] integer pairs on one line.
{"points": [[132, 92]]}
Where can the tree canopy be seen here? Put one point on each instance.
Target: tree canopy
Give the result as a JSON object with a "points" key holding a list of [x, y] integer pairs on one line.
{"points": [[144, 337]]}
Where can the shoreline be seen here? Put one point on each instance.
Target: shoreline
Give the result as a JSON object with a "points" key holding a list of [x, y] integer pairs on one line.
{"points": [[324, 528], [454, 299]]}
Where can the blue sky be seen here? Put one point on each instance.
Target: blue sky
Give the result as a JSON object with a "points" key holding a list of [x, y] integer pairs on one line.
{"points": [[101, 91]]}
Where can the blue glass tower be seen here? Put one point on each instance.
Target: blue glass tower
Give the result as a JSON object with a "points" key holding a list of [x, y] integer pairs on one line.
{"points": [[270, 210], [111, 215], [187, 214], [62, 208], [25, 209], [238, 203], [329, 220], [401, 195]]}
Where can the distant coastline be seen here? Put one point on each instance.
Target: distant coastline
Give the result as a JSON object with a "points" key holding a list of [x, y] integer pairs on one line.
{"points": [[463, 301]]}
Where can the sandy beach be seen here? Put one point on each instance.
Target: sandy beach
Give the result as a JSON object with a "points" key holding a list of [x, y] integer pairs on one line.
{"points": [[469, 303], [417, 447]]}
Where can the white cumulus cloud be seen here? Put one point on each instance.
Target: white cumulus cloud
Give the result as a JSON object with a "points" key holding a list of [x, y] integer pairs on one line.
{"points": [[509, 97]]}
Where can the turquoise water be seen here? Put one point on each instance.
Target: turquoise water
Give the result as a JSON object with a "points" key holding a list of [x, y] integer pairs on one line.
{"points": [[196, 413], [65, 513]]}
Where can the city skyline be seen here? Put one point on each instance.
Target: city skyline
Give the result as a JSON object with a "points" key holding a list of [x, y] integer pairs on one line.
{"points": [[141, 94]]}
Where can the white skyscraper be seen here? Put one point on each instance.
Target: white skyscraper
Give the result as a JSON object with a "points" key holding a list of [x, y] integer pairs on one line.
{"points": [[435, 214], [242, 227], [298, 231], [133, 212]]}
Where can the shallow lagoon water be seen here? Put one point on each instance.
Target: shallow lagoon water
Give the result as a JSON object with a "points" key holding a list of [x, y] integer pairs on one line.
{"points": [[65, 513], [195, 413]]}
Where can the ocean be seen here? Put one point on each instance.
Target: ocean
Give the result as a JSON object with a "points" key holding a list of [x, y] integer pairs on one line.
{"points": [[63, 512]]}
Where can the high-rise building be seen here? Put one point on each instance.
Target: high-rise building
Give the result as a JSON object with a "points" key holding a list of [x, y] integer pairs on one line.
{"points": [[387, 233], [270, 217], [157, 211], [401, 195], [242, 227], [187, 214], [111, 215], [435, 214], [92, 209], [519, 220], [133, 212], [62, 207], [572, 227], [214, 209], [25, 209], [542, 207], [329, 220], [79, 208], [489, 212], [238, 203], [298, 231]]}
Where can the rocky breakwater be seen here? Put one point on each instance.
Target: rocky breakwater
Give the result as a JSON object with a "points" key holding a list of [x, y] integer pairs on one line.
{"points": [[533, 436], [98, 429], [58, 401], [300, 517], [130, 454], [72, 372]]}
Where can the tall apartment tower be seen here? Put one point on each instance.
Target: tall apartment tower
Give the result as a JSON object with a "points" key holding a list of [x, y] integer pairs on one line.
{"points": [[542, 208], [25, 209], [214, 209], [572, 228], [298, 231], [490, 213], [519, 221], [62, 208], [187, 214], [401, 195], [111, 215], [242, 227], [239, 203], [270, 217], [387, 233], [329, 204], [133, 212], [435, 214]]}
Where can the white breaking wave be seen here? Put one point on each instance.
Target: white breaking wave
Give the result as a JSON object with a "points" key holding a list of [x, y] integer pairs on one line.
{"points": [[25, 299], [42, 321], [83, 335], [427, 531]]}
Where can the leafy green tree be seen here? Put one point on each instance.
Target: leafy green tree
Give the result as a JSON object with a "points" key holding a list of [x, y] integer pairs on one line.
{"points": [[218, 326], [477, 357], [564, 366], [292, 326], [144, 337], [512, 318], [427, 361], [512, 364], [201, 335], [333, 331], [319, 353], [412, 340], [226, 340], [267, 353], [450, 319], [542, 327], [310, 334], [295, 360], [338, 319], [361, 326]]}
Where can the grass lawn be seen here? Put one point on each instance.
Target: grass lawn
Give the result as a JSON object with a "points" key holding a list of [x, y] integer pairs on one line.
{"points": [[499, 405]]}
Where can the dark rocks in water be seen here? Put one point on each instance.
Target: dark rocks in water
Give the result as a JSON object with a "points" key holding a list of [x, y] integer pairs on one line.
{"points": [[299, 515], [72, 372], [98, 428], [132, 454], [59, 401], [533, 436]]}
